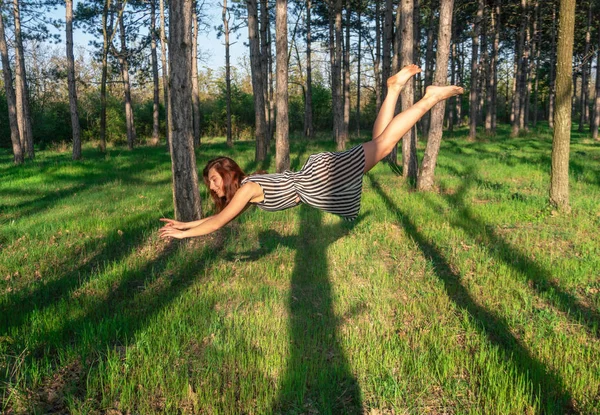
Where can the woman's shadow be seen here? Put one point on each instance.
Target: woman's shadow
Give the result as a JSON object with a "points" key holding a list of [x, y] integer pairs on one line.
{"points": [[317, 375]]}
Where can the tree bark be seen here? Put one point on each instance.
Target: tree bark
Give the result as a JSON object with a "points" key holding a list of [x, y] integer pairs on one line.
{"points": [[185, 176], [518, 88], [22, 94], [105, 36], [266, 65], [584, 72], [308, 110], [559, 177], [227, 73], [358, 84], [338, 117], [282, 145], [474, 64], [156, 89], [257, 81], [346, 123], [596, 117], [426, 174], [409, 140], [495, 51], [195, 89], [72, 85], [536, 68], [388, 32], [165, 70], [377, 60], [429, 65], [123, 59], [552, 76], [11, 99]]}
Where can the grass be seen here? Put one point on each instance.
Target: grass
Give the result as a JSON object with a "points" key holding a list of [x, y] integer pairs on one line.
{"points": [[477, 298]]}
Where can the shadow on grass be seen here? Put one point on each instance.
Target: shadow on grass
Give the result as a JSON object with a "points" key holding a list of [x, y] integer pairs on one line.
{"points": [[547, 387], [317, 377], [540, 277], [112, 319]]}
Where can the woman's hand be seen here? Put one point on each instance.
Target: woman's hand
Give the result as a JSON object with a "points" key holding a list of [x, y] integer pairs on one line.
{"points": [[170, 232], [174, 224]]}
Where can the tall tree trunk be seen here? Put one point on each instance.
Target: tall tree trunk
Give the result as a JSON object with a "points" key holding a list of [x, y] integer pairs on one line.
{"points": [[282, 151], [346, 124], [536, 69], [270, 102], [388, 32], [410, 164], [358, 58], [123, 58], [266, 65], [596, 116], [227, 73], [495, 51], [453, 100], [156, 90], [106, 36], [482, 70], [185, 176], [377, 61], [72, 85], [552, 76], [11, 99], [527, 72], [461, 78], [308, 110], [23, 111], [584, 71], [429, 65], [165, 70], [257, 82], [520, 63], [559, 177], [335, 37], [426, 174], [474, 64], [491, 78], [195, 89]]}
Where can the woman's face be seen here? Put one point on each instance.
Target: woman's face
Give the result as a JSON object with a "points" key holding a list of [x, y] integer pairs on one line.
{"points": [[215, 182]]}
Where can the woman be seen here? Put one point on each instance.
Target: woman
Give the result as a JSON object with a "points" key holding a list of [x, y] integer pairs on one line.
{"points": [[327, 181]]}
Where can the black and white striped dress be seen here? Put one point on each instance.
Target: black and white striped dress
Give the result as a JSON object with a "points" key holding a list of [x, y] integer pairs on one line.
{"points": [[328, 181]]}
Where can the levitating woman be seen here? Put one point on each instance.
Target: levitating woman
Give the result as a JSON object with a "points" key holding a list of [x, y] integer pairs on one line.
{"points": [[328, 181]]}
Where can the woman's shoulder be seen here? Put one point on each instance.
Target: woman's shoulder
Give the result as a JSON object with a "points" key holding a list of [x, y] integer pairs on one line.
{"points": [[254, 189]]}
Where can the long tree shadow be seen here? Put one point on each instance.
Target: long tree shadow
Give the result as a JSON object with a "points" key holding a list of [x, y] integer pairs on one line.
{"points": [[317, 377], [540, 277], [115, 319], [547, 386]]}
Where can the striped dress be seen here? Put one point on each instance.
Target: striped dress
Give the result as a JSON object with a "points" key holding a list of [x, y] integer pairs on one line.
{"points": [[328, 181]]}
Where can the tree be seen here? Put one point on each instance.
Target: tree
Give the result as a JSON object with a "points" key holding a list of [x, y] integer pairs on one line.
{"points": [[155, 83], [559, 177], [195, 90], [474, 78], [183, 159], [596, 115], [426, 174], [123, 57], [282, 154], [10, 95], [165, 68], [407, 96], [308, 109], [72, 85]]}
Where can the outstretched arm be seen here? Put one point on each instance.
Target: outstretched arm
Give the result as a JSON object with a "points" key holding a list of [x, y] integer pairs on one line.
{"points": [[213, 223]]}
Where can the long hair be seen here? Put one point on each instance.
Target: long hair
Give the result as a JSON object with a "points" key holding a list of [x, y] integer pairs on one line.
{"points": [[232, 177]]}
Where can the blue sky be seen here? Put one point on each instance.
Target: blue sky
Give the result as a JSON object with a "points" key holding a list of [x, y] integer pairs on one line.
{"points": [[210, 47]]}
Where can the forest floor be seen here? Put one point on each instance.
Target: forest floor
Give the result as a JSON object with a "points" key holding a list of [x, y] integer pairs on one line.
{"points": [[475, 298]]}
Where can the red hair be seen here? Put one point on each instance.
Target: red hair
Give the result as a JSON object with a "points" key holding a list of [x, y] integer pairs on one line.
{"points": [[232, 176]]}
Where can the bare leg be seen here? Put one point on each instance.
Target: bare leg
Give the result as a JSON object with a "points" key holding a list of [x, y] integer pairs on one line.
{"points": [[383, 144], [395, 85]]}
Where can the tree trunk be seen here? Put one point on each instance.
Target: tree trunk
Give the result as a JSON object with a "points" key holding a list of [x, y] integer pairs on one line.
{"points": [[461, 78], [338, 117], [527, 72], [105, 35], [185, 176], [72, 85], [123, 58], [22, 95], [495, 50], [426, 174], [154, 55], [596, 116], [270, 102], [490, 79], [453, 100], [377, 60], [195, 89], [518, 90], [538, 47], [388, 32], [474, 64], [257, 81], [358, 58], [11, 100], [407, 96], [552, 68], [429, 65], [584, 72], [165, 70], [346, 124], [266, 65], [482, 70], [559, 177], [227, 74], [282, 144], [308, 110]]}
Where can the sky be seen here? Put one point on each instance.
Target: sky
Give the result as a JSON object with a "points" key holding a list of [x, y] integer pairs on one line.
{"points": [[211, 49]]}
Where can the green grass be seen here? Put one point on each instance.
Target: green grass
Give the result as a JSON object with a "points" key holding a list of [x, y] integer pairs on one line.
{"points": [[477, 298]]}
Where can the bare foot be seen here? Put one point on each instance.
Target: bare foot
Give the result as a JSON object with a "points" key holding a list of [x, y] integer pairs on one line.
{"points": [[398, 81], [440, 93]]}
